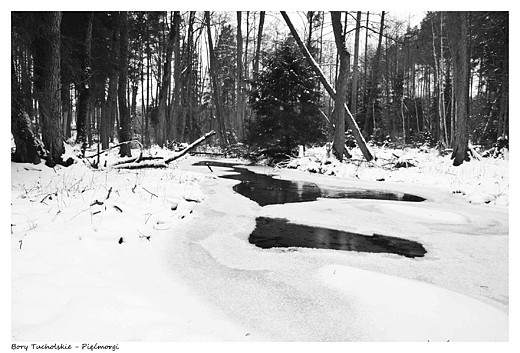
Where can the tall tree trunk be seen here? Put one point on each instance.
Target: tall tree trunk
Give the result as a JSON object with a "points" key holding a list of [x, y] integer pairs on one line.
{"points": [[240, 88], [161, 130], [66, 110], [24, 139], [310, 18], [175, 108], [148, 84], [256, 64], [245, 74], [440, 82], [353, 105], [365, 84], [338, 113], [390, 121], [503, 115], [187, 92], [143, 101], [457, 22], [108, 114], [221, 130], [26, 81], [84, 87], [332, 93], [47, 69], [370, 116], [125, 132]]}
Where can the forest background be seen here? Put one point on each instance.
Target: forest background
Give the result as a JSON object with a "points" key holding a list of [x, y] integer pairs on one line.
{"points": [[168, 77]]}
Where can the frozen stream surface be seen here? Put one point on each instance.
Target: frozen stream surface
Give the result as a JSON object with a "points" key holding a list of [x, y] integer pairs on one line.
{"points": [[458, 291]]}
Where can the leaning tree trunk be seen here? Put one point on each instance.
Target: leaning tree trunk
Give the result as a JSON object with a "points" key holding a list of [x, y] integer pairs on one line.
{"points": [[332, 93], [457, 23], [125, 132], [47, 70]]}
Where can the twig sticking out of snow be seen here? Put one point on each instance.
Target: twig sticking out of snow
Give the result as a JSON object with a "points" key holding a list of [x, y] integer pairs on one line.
{"points": [[151, 193]]}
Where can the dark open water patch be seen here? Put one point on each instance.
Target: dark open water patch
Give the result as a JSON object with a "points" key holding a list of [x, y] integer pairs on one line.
{"points": [[278, 232], [266, 190]]}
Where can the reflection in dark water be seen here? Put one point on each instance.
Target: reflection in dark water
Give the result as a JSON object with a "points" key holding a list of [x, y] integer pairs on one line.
{"points": [[278, 232], [265, 190]]}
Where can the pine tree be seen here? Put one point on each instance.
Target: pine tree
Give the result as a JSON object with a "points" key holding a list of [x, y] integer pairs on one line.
{"points": [[286, 101]]}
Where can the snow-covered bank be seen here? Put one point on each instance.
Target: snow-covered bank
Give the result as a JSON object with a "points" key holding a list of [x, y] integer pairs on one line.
{"points": [[87, 257], [185, 271], [480, 181]]}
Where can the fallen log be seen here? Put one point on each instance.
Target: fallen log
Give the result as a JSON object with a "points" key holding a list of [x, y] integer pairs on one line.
{"points": [[190, 147], [163, 162], [141, 165]]}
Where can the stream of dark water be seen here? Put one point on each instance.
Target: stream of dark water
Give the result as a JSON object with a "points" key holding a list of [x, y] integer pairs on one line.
{"points": [[266, 190], [276, 232]]}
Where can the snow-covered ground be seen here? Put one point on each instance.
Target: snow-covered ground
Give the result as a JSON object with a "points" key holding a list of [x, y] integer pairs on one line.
{"points": [[161, 255]]}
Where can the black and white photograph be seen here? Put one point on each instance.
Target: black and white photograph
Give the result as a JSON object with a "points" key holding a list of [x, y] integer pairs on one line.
{"points": [[195, 176]]}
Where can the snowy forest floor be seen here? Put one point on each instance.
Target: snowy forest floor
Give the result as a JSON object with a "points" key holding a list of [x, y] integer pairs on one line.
{"points": [[107, 255]]}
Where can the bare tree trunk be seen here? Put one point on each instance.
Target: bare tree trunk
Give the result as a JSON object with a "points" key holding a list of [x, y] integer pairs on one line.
{"points": [[65, 102], [256, 64], [503, 115], [353, 105], [24, 139], [221, 129], [240, 89], [148, 84], [125, 132], [246, 49], [188, 89], [457, 22], [175, 109], [107, 124], [442, 106], [341, 86], [332, 93], [390, 121], [84, 87], [161, 128], [47, 69], [143, 104], [365, 89], [370, 117]]}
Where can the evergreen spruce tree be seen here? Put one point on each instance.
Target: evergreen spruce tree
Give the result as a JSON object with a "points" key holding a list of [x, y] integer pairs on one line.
{"points": [[285, 97]]}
